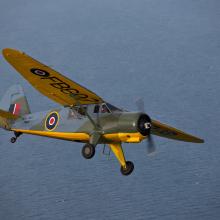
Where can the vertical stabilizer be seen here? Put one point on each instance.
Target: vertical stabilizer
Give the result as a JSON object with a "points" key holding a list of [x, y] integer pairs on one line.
{"points": [[15, 101]]}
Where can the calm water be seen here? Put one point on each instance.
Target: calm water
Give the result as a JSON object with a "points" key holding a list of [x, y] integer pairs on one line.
{"points": [[167, 52]]}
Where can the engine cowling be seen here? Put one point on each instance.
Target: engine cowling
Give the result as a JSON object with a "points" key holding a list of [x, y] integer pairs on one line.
{"points": [[134, 122]]}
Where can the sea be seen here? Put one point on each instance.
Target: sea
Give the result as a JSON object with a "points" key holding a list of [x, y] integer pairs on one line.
{"points": [[164, 52]]}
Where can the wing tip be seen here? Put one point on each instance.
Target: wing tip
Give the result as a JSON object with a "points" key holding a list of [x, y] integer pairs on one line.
{"points": [[197, 140], [200, 141], [9, 51]]}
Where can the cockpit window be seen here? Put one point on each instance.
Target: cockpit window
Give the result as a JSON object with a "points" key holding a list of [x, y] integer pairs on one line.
{"points": [[96, 109], [81, 110], [112, 108], [104, 109]]}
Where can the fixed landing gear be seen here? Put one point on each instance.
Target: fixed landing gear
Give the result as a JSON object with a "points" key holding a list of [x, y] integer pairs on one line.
{"points": [[128, 169], [88, 151], [14, 139], [126, 166]]}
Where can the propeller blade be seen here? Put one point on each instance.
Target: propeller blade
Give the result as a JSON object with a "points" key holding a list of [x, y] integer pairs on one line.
{"points": [[140, 105], [151, 148]]}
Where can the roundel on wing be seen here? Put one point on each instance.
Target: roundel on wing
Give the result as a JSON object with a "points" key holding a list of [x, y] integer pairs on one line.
{"points": [[52, 121], [39, 72]]}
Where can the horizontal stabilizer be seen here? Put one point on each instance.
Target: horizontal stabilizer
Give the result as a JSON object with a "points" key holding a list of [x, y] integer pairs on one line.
{"points": [[8, 115]]}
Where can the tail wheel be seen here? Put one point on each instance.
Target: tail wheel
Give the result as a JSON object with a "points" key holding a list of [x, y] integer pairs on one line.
{"points": [[129, 168], [13, 140], [88, 151]]}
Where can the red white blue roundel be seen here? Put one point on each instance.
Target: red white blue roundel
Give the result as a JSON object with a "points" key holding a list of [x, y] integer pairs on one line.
{"points": [[39, 72], [52, 121]]}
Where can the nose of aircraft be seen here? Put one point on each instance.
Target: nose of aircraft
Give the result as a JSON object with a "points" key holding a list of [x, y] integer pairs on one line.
{"points": [[144, 124]]}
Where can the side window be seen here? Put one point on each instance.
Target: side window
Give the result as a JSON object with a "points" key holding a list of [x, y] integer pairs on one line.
{"points": [[72, 114], [96, 109], [82, 110]]}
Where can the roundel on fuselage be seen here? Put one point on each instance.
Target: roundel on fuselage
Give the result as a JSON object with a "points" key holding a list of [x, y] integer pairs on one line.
{"points": [[52, 121]]}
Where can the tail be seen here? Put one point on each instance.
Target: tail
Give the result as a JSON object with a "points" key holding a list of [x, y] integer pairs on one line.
{"points": [[13, 105]]}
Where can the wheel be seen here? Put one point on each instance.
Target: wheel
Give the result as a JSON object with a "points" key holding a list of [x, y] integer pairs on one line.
{"points": [[88, 151], [129, 168], [13, 140]]}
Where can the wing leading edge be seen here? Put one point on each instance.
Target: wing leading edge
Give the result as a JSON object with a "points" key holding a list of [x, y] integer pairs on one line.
{"points": [[48, 81]]}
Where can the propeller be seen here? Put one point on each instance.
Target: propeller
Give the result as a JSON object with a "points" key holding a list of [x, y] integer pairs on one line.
{"points": [[151, 148], [150, 144]]}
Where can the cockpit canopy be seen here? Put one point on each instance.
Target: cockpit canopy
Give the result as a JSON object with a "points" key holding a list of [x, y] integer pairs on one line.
{"points": [[96, 109], [106, 108]]}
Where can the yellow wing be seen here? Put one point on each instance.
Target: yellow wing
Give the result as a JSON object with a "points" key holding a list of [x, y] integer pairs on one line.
{"points": [[172, 133], [48, 81]]}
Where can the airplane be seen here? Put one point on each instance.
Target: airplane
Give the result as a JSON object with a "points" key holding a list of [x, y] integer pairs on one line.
{"points": [[83, 116]]}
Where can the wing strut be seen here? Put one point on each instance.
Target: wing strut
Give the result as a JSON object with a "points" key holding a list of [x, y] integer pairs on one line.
{"points": [[96, 126], [96, 135]]}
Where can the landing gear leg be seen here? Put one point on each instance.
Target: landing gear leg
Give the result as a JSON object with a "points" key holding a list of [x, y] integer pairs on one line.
{"points": [[14, 139], [88, 151], [126, 166]]}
